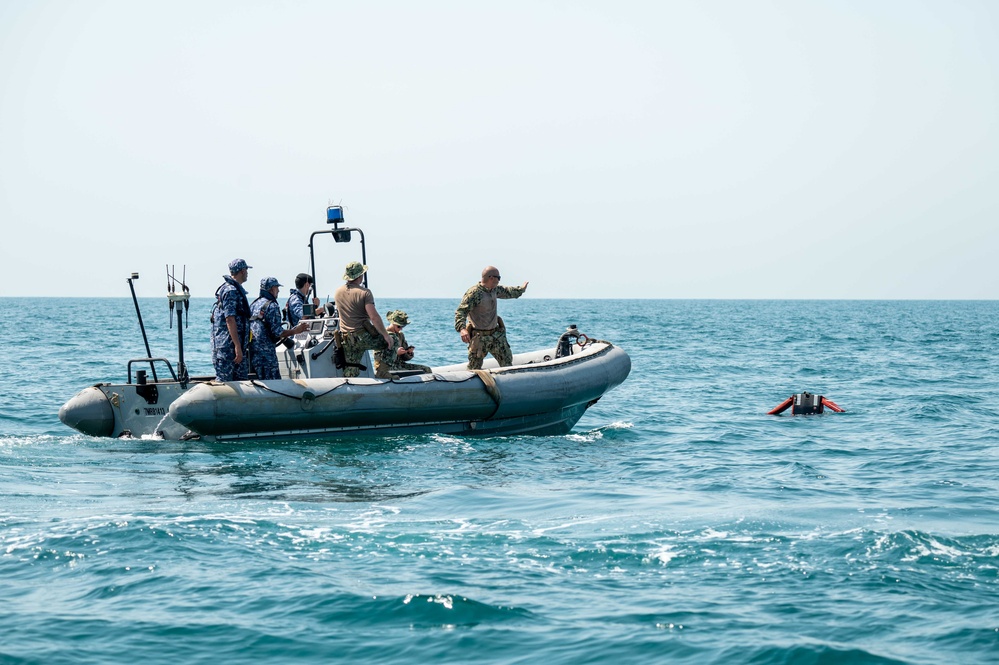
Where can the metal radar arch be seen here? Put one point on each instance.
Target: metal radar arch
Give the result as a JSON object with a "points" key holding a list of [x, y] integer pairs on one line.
{"points": [[334, 216]]}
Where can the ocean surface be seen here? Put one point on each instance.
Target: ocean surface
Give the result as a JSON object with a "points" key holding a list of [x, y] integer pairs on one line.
{"points": [[677, 523]]}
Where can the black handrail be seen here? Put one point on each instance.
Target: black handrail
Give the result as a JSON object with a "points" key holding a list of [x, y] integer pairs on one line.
{"points": [[150, 361]]}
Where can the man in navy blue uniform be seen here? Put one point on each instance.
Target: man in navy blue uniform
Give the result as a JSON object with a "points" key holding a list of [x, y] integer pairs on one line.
{"points": [[298, 297], [265, 324], [231, 325]]}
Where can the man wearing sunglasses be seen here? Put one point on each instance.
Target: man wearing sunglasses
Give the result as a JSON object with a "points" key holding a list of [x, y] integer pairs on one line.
{"points": [[478, 324]]}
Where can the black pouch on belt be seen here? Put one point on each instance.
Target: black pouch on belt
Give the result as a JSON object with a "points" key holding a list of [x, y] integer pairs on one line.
{"points": [[339, 359]]}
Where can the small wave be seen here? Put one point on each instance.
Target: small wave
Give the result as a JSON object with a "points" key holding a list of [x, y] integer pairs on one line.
{"points": [[619, 425], [908, 547], [40, 439], [452, 442], [451, 610], [805, 653], [613, 431]]}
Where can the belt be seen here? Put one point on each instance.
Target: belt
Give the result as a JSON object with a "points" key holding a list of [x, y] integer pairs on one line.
{"points": [[361, 331]]}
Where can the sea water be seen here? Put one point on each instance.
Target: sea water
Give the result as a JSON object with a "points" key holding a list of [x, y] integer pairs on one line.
{"points": [[678, 522]]}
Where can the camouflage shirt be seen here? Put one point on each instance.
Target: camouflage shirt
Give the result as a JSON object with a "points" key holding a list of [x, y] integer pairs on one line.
{"points": [[391, 356], [230, 301], [478, 306], [295, 307], [265, 320]]}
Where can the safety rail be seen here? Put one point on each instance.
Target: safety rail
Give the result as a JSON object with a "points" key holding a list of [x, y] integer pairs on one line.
{"points": [[151, 361]]}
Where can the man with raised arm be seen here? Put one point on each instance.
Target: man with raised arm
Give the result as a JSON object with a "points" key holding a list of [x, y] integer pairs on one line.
{"points": [[478, 324]]}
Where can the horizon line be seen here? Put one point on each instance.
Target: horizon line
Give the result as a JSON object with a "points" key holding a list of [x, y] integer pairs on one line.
{"points": [[725, 299]]}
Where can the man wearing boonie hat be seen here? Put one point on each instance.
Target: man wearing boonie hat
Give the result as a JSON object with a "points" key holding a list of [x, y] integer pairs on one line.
{"points": [[396, 359], [265, 324], [477, 323], [361, 326], [231, 325]]}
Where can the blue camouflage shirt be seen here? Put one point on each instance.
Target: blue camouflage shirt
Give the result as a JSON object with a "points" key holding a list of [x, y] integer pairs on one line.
{"points": [[296, 311], [230, 300], [265, 320]]}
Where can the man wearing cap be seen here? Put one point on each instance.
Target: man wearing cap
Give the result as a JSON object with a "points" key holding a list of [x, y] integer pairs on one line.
{"points": [[265, 324], [230, 325], [477, 323], [398, 358], [361, 326], [298, 297]]}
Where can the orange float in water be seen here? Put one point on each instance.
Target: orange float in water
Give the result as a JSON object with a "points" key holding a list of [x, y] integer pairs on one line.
{"points": [[805, 404]]}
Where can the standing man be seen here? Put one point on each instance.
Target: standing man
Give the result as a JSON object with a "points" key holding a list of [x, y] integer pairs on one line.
{"points": [[298, 297], [231, 325], [361, 326], [265, 324], [477, 322]]}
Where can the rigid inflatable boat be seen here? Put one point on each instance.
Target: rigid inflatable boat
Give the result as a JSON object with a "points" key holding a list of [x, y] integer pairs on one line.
{"points": [[544, 392]]}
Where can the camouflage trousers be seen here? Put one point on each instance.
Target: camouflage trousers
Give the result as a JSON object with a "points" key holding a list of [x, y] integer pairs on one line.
{"points": [[354, 346], [263, 359], [489, 341], [226, 368]]}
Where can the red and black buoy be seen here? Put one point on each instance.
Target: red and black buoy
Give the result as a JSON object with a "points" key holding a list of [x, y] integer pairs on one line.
{"points": [[805, 404]]}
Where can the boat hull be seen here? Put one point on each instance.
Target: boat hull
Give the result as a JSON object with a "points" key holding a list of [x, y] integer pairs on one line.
{"points": [[546, 397], [539, 395], [125, 410]]}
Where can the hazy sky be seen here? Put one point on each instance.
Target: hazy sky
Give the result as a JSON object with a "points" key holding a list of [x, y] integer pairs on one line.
{"points": [[701, 149]]}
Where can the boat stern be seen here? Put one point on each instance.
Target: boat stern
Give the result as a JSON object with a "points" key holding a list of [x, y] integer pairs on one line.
{"points": [[89, 412]]}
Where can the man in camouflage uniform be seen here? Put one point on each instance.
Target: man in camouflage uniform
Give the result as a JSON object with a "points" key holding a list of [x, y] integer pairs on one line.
{"points": [[361, 326], [230, 325], [398, 358], [298, 297], [266, 329], [477, 322]]}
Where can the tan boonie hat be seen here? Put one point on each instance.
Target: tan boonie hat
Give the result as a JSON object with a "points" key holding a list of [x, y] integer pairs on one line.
{"points": [[354, 270], [398, 317]]}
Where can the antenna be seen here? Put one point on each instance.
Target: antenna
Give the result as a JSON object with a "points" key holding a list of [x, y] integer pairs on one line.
{"points": [[179, 296], [138, 314]]}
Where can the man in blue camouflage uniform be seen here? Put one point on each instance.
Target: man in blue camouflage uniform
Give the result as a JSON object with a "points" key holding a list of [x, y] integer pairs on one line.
{"points": [[477, 323], [231, 325], [266, 329], [361, 327], [397, 359], [298, 297]]}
